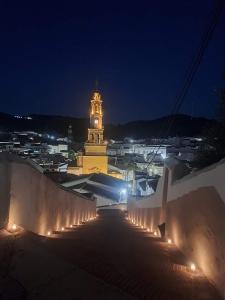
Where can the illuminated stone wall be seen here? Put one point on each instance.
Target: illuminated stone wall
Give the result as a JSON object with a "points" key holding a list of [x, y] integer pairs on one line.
{"points": [[193, 208], [40, 205]]}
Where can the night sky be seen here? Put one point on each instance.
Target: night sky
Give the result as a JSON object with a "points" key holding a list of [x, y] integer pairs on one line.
{"points": [[52, 52]]}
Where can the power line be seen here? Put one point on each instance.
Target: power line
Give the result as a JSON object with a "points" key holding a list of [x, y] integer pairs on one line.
{"points": [[194, 66]]}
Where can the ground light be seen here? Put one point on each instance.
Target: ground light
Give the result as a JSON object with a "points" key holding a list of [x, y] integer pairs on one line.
{"points": [[62, 228], [169, 241], [155, 233], [193, 267], [14, 226], [49, 233]]}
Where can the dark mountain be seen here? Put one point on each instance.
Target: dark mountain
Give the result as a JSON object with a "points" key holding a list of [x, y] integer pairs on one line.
{"points": [[182, 125], [173, 125]]}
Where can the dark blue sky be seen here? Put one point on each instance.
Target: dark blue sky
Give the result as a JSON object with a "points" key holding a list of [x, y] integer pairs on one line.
{"points": [[52, 51]]}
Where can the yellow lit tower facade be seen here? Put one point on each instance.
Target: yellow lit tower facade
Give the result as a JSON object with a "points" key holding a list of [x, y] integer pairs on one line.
{"points": [[94, 158], [95, 132]]}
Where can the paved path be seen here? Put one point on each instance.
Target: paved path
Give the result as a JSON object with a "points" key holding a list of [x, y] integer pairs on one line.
{"points": [[129, 258]]}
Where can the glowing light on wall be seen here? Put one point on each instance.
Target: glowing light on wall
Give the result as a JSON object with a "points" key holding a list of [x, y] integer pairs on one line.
{"points": [[62, 228], [14, 226], [169, 241], [155, 233], [49, 233], [193, 267]]}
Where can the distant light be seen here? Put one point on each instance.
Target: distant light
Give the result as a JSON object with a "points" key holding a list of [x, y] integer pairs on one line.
{"points": [[71, 226], [96, 121], [14, 227], [62, 228], [169, 241], [155, 233], [49, 233], [52, 137], [193, 267], [123, 191], [148, 229]]}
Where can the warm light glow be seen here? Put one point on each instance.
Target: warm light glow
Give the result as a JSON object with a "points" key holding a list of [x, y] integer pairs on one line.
{"points": [[14, 227], [148, 229], [155, 233], [169, 241], [62, 228], [71, 226], [193, 267], [49, 233], [96, 121]]}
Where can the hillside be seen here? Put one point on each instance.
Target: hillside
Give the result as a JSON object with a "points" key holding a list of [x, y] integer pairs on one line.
{"points": [[183, 125]]}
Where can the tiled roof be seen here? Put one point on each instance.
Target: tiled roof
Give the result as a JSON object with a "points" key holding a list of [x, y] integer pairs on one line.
{"points": [[96, 190], [107, 180]]}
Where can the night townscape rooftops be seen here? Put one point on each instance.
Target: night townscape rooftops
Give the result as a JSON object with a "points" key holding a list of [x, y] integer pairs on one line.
{"points": [[112, 150]]}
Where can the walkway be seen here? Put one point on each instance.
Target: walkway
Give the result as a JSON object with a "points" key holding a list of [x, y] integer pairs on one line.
{"points": [[130, 259]]}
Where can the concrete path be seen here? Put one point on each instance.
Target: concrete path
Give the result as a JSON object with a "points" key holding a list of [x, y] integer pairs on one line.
{"points": [[130, 259]]}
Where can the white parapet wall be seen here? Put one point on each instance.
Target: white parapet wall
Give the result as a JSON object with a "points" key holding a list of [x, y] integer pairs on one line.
{"points": [[38, 204], [193, 208]]}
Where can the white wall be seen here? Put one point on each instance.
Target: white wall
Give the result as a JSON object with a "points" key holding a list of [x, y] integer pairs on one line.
{"points": [[36, 203]]}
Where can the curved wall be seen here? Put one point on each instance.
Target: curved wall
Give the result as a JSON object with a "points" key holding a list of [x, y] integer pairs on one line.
{"points": [[38, 204], [194, 212]]}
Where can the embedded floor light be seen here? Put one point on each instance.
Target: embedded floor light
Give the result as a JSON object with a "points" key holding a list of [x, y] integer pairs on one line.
{"points": [[49, 233], [169, 241], [155, 233], [148, 229], [193, 267], [14, 227], [71, 226], [62, 228]]}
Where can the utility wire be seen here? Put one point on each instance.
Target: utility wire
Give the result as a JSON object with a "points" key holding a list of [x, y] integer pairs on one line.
{"points": [[191, 72]]}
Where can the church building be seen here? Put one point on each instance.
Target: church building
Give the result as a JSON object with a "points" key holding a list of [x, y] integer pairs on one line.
{"points": [[94, 158]]}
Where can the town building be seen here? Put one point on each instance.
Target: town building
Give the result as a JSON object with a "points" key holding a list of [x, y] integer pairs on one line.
{"points": [[104, 188], [93, 158]]}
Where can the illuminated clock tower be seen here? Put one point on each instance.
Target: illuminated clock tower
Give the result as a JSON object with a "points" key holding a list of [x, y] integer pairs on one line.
{"points": [[95, 132], [94, 158]]}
